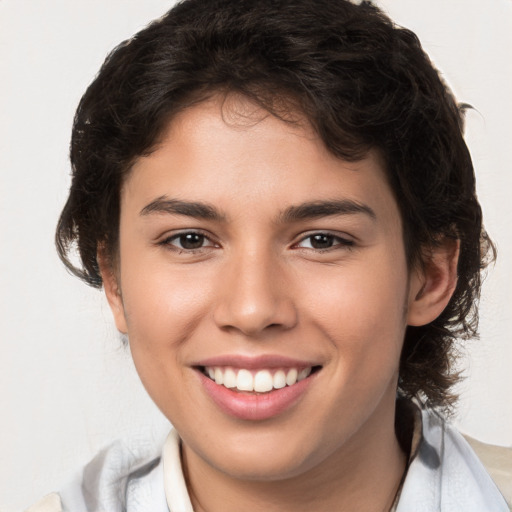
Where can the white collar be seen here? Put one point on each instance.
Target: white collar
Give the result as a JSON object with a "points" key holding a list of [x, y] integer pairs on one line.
{"points": [[176, 492]]}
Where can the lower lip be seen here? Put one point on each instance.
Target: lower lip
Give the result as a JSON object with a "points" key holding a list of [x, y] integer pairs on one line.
{"points": [[255, 407]]}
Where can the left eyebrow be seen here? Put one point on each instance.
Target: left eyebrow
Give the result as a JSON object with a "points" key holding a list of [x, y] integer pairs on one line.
{"points": [[317, 209], [198, 210]]}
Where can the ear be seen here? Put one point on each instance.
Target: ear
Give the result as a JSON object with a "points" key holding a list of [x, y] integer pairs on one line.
{"points": [[112, 289], [433, 283]]}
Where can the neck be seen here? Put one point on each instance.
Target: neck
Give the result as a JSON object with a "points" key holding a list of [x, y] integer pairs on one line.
{"points": [[364, 474]]}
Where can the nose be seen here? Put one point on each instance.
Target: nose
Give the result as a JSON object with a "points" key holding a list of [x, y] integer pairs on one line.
{"points": [[255, 297]]}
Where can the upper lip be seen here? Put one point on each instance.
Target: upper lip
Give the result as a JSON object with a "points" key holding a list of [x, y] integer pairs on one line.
{"points": [[255, 362]]}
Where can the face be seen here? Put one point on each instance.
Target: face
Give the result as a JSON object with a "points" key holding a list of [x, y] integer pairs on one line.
{"points": [[264, 289]]}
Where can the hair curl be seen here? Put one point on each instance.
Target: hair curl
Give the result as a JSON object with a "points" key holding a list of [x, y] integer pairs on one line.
{"points": [[362, 82]]}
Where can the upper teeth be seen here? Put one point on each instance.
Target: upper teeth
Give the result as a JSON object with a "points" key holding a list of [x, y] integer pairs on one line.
{"points": [[260, 381]]}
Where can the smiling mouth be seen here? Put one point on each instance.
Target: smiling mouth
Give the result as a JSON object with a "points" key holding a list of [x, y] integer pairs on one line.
{"points": [[257, 381]]}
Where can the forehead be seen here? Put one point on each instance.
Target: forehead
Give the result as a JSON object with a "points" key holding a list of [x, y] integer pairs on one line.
{"points": [[231, 152]]}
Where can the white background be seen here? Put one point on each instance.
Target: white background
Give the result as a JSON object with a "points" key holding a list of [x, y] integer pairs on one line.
{"points": [[67, 387]]}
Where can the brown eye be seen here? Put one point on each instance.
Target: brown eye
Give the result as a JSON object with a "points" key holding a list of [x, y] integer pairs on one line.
{"points": [[188, 241], [191, 240], [324, 241], [321, 241]]}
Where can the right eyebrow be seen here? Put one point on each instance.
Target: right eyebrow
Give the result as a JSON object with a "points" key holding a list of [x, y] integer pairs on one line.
{"points": [[198, 210]]}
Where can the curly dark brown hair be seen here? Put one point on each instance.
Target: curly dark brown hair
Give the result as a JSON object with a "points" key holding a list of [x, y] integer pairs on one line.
{"points": [[362, 82]]}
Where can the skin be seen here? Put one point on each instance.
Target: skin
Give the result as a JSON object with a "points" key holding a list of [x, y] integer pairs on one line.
{"points": [[258, 285]]}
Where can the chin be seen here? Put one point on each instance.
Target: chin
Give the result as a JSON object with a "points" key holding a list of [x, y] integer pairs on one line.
{"points": [[266, 458]]}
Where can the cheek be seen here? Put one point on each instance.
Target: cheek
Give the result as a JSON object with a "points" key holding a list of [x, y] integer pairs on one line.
{"points": [[163, 309], [159, 302], [360, 309]]}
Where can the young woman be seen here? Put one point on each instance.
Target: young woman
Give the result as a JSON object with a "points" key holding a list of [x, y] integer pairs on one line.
{"points": [[278, 201]]}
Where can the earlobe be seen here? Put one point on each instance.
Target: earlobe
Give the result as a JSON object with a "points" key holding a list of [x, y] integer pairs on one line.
{"points": [[432, 285], [112, 290]]}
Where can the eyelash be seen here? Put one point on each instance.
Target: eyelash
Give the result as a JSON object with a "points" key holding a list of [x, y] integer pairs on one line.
{"points": [[336, 240]]}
